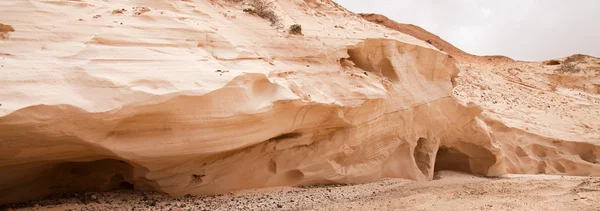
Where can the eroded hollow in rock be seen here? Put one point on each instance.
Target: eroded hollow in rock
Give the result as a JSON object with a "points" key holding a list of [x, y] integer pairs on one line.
{"points": [[374, 61], [423, 156], [453, 160], [286, 136], [589, 157], [467, 157], [37, 181], [99, 175]]}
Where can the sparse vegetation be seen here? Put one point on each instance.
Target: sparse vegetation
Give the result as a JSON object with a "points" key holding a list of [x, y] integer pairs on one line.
{"points": [[296, 29], [265, 11], [141, 10], [118, 11], [570, 64], [568, 68]]}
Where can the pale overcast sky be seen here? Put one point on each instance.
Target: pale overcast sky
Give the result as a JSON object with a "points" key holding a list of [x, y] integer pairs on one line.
{"points": [[531, 30]]}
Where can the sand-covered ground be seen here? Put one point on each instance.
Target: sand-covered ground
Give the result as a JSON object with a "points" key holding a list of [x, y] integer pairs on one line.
{"points": [[449, 191]]}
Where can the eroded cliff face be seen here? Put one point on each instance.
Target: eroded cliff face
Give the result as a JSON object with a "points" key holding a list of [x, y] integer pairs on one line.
{"points": [[543, 115], [200, 97]]}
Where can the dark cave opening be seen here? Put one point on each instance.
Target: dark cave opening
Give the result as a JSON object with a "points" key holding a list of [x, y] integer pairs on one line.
{"points": [[99, 175], [464, 157], [461, 157], [453, 160], [62, 179]]}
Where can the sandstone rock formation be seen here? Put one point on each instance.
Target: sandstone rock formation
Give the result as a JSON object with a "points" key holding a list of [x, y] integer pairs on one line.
{"points": [[545, 116], [195, 97]]}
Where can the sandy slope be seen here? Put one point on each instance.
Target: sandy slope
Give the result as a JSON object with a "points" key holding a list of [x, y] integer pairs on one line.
{"points": [[450, 191]]}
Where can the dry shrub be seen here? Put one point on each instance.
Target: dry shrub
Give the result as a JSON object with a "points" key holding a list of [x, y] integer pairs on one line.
{"points": [[118, 11], [570, 64], [296, 29], [265, 10], [568, 68], [4, 30], [140, 10]]}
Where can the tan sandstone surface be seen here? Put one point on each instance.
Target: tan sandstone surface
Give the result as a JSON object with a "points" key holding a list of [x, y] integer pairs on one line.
{"points": [[201, 97]]}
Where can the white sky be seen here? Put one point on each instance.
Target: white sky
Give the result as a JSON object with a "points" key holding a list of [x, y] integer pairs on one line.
{"points": [[531, 30]]}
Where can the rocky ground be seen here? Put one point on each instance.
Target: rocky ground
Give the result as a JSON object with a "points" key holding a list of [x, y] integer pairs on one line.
{"points": [[449, 191]]}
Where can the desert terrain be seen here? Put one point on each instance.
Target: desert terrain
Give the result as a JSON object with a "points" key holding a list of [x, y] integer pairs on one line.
{"points": [[291, 105], [448, 191]]}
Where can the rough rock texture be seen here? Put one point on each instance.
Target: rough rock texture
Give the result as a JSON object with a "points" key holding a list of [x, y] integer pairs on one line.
{"points": [[545, 116], [195, 97]]}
